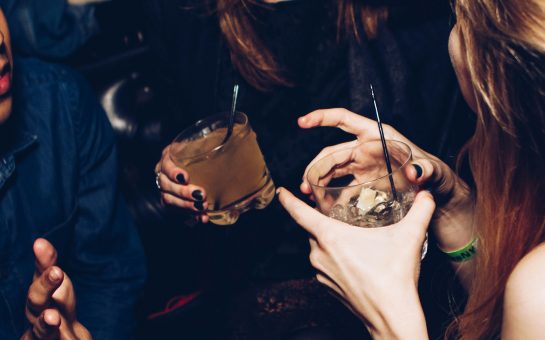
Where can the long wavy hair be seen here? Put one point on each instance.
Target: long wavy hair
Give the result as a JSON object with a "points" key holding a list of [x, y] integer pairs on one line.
{"points": [[254, 60], [504, 43]]}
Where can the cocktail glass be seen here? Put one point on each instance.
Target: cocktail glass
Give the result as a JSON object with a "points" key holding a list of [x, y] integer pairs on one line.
{"points": [[234, 173], [353, 185]]}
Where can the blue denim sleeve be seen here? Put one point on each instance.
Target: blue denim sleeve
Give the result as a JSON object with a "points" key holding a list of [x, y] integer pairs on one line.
{"points": [[49, 29], [107, 265]]}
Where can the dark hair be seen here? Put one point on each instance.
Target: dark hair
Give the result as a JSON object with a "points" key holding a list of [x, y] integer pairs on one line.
{"points": [[254, 60]]}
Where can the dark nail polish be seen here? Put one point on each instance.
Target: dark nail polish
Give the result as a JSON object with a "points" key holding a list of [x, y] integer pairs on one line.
{"points": [[418, 170], [197, 194], [199, 206], [180, 178]]}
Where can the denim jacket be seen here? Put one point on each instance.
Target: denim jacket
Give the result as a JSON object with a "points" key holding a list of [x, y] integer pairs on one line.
{"points": [[58, 181], [51, 29]]}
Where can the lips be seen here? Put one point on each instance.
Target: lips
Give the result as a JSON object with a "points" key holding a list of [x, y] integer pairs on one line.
{"points": [[5, 78]]}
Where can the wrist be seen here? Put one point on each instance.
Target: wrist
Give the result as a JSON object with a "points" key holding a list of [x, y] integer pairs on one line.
{"points": [[463, 254], [453, 225], [402, 320]]}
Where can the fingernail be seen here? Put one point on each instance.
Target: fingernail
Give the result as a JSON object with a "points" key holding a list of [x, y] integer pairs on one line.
{"points": [[54, 276], [278, 191], [418, 170], [199, 206], [197, 194], [180, 178]]}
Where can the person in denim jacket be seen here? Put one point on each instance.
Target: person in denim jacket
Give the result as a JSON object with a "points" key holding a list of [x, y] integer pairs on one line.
{"points": [[52, 29], [64, 230]]}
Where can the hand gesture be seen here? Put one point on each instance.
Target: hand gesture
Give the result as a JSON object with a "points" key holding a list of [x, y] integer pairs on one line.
{"points": [[51, 300]]}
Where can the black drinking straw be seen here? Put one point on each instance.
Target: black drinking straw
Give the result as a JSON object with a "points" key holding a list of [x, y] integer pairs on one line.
{"points": [[231, 122], [384, 147]]}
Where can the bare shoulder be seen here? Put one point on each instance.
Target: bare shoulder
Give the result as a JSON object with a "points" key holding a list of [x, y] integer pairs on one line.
{"points": [[524, 304]]}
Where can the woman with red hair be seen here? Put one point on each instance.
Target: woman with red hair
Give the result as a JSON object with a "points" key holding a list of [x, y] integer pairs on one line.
{"points": [[493, 234]]}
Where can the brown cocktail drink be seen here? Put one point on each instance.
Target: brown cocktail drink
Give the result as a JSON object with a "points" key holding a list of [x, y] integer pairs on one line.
{"points": [[234, 174]]}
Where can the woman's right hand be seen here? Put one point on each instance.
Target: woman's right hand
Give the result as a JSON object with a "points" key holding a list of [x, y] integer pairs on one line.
{"points": [[453, 218], [176, 189]]}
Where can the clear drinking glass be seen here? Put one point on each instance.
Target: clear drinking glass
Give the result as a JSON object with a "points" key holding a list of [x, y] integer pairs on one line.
{"points": [[353, 185], [233, 174]]}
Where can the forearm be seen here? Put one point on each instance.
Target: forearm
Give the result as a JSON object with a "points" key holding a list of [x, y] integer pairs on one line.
{"points": [[453, 227], [399, 316]]}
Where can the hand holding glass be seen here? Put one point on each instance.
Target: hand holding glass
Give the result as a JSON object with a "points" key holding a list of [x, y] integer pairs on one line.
{"points": [[353, 185], [234, 173]]}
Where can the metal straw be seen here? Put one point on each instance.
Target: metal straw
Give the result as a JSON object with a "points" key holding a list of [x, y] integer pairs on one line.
{"points": [[384, 147], [231, 122]]}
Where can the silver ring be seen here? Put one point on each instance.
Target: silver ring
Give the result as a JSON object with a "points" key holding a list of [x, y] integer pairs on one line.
{"points": [[157, 174]]}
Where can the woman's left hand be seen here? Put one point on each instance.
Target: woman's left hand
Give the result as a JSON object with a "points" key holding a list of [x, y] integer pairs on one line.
{"points": [[372, 270]]}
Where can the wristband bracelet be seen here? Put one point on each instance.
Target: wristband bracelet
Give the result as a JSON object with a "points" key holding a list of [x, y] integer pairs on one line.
{"points": [[463, 254]]}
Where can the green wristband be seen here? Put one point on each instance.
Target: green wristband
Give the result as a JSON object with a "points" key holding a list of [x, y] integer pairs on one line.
{"points": [[463, 254]]}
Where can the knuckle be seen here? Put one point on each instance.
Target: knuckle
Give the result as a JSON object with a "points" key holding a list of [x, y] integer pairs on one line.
{"points": [[183, 192], [313, 257], [33, 297], [163, 181], [320, 278], [344, 113], [388, 129], [167, 199], [328, 240], [325, 151]]}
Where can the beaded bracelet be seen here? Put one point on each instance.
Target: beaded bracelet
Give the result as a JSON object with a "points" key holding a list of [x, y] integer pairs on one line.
{"points": [[463, 254]]}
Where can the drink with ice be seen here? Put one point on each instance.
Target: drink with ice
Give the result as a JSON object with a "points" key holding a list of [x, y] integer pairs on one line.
{"points": [[373, 208], [353, 185]]}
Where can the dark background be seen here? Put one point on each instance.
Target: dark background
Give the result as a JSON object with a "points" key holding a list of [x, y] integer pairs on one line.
{"points": [[120, 66]]}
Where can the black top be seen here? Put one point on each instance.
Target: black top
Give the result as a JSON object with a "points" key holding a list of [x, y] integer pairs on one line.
{"points": [[408, 65]]}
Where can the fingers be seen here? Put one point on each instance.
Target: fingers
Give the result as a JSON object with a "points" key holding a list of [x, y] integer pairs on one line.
{"points": [[42, 289], [305, 186], [47, 325], [64, 298], [307, 217], [167, 167], [45, 253], [203, 218], [174, 188], [189, 193], [423, 171], [347, 121], [420, 213], [435, 176]]}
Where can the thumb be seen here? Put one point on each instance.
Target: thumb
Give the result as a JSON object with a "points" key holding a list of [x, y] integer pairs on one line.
{"points": [[46, 254], [421, 212], [310, 219]]}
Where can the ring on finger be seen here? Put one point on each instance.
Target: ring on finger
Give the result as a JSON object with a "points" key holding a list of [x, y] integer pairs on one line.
{"points": [[157, 183]]}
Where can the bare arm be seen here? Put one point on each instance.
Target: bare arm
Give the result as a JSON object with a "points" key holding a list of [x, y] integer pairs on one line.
{"points": [[524, 303]]}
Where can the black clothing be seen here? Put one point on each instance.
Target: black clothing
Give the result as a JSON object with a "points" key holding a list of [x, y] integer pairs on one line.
{"points": [[407, 63]]}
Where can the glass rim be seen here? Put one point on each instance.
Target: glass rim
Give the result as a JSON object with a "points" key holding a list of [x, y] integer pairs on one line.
{"points": [[409, 157], [214, 117]]}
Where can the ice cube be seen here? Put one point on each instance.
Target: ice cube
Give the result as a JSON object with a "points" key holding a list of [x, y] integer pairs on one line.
{"points": [[338, 212], [366, 200]]}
